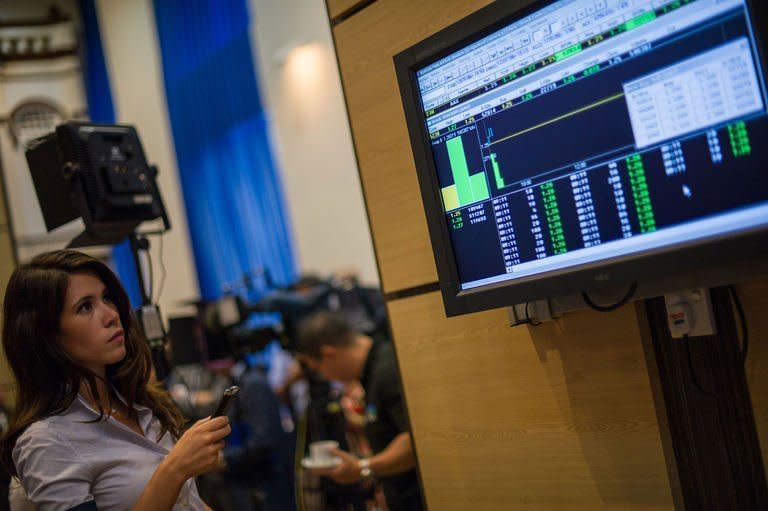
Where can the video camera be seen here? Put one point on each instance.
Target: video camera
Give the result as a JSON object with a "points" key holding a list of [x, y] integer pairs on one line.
{"points": [[282, 310]]}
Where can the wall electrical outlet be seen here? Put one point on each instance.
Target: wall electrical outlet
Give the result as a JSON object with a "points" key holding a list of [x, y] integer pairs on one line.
{"points": [[689, 313]]}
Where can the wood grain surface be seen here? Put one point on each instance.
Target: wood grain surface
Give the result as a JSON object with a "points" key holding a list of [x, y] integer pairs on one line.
{"points": [[558, 416], [554, 417]]}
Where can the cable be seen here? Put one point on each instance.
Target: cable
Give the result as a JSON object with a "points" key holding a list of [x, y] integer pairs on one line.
{"points": [[162, 270], [151, 286], [743, 321], [607, 308], [694, 378]]}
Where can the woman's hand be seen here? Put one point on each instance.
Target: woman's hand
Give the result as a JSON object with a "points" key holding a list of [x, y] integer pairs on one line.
{"points": [[197, 451]]}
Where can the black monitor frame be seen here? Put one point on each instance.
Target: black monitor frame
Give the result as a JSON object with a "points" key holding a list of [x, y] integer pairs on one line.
{"points": [[693, 259]]}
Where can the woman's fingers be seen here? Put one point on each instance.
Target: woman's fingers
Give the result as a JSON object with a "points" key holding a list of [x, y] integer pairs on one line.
{"points": [[210, 424], [221, 433]]}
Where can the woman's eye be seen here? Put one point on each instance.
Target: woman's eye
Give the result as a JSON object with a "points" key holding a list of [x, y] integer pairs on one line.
{"points": [[107, 298], [85, 307]]}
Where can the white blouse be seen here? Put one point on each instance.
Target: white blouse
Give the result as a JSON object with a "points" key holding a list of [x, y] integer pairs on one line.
{"points": [[64, 461]]}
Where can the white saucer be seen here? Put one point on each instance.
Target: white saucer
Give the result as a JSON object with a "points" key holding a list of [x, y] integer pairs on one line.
{"points": [[313, 464]]}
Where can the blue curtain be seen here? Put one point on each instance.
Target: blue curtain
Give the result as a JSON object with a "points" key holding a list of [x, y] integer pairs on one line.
{"points": [[231, 189], [95, 75], [101, 110]]}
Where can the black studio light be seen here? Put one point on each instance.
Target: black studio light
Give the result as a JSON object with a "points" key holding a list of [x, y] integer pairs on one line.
{"points": [[99, 173]]}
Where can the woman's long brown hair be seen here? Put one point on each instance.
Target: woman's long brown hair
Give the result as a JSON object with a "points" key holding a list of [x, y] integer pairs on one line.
{"points": [[47, 379]]}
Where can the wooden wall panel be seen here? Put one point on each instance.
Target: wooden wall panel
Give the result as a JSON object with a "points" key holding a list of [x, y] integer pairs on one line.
{"points": [[553, 417], [365, 45], [754, 296], [338, 8], [6, 252], [6, 267], [6, 259], [559, 416], [4, 220]]}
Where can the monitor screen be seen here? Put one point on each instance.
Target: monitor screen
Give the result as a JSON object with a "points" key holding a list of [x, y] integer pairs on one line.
{"points": [[585, 133]]}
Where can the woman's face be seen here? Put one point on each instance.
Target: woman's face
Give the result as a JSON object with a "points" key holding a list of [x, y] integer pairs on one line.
{"points": [[90, 329]]}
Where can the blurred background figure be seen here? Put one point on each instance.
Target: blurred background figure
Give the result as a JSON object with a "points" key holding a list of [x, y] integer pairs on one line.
{"points": [[259, 456], [282, 407], [226, 344]]}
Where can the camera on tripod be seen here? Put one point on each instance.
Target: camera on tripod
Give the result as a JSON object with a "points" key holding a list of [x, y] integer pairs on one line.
{"points": [[231, 320]]}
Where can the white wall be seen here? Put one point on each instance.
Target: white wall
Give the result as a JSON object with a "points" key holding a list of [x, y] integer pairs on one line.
{"points": [[56, 82], [301, 89], [132, 53], [309, 129]]}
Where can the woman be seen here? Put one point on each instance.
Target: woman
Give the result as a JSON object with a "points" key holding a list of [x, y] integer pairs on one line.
{"points": [[90, 431]]}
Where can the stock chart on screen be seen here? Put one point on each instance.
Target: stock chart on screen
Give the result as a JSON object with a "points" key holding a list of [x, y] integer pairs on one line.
{"points": [[595, 129]]}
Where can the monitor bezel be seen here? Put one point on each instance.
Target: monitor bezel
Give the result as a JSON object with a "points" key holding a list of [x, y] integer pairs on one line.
{"points": [[693, 257]]}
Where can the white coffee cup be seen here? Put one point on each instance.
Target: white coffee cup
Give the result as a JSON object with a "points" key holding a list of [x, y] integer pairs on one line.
{"points": [[320, 452]]}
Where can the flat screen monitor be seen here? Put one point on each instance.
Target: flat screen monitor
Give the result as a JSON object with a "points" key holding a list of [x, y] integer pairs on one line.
{"points": [[573, 144]]}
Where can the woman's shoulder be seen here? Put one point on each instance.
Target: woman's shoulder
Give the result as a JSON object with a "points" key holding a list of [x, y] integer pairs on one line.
{"points": [[45, 447], [40, 427], [40, 440], [53, 429], [46, 431]]}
